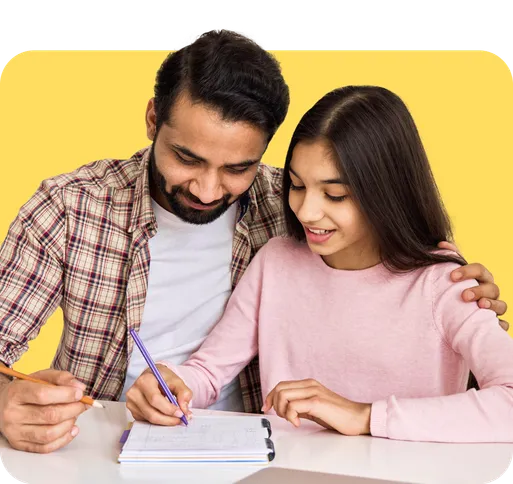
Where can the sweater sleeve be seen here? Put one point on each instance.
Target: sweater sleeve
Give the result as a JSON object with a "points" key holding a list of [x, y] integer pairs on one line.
{"points": [[232, 343], [485, 415]]}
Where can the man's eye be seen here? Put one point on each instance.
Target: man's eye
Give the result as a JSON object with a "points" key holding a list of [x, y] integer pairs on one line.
{"points": [[237, 171], [184, 161], [295, 187]]}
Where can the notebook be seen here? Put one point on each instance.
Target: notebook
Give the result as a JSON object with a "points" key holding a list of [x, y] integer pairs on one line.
{"points": [[207, 439]]}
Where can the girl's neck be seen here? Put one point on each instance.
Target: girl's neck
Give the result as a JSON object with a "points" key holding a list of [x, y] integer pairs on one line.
{"points": [[354, 258]]}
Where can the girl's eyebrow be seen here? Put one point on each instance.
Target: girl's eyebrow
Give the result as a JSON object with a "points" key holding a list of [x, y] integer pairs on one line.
{"points": [[331, 181]]}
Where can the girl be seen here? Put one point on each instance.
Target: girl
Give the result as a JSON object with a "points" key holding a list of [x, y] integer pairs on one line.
{"points": [[364, 218]]}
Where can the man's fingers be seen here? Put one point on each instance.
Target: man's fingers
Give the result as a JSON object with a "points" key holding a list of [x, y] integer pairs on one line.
{"points": [[498, 307], [55, 377], [484, 290], [448, 246], [47, 448], [472, 271], [58, 377], [504, 324], [45, 434], [39, 394], [47, 414]]}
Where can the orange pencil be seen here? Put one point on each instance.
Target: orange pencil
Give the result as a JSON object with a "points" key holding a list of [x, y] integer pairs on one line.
{"points": [[22, 376]]}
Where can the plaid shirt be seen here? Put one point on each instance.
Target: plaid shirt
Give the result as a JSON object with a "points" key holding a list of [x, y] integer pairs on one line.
{"points": [[81, 243]]}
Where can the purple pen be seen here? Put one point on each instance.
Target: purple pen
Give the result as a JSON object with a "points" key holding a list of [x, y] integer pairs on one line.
{"points": [[156, 372]]}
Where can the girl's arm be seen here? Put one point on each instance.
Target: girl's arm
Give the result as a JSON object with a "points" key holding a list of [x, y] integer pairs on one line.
{"points": [[485, 415], [231, 345]]}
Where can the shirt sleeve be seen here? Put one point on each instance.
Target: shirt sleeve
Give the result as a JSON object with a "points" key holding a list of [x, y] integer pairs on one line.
{"points": [[233, 342], [30, 271], [485, 415]]}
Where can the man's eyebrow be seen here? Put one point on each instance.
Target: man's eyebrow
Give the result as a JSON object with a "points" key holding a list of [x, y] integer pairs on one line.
{"points": [[243, 164], [331, 181], [187, 152]]}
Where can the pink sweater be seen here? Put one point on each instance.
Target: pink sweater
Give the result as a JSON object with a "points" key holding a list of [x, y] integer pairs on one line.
{"points": [[404, 343]]}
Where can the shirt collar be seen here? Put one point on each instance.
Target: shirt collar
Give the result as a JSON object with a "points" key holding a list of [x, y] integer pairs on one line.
{"points": [[142, 211], [249, 202]]}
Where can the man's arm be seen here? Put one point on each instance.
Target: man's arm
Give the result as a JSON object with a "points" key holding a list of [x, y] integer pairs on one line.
{"points": [[31, 260], [34, 417]]}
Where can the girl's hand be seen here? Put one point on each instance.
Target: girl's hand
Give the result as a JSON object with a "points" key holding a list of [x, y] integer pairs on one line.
{"points": [[309, 399], [146, 401]]}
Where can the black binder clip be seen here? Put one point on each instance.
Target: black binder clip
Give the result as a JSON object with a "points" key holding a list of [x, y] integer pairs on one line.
{"points": [[267, 425], [270, 446]]}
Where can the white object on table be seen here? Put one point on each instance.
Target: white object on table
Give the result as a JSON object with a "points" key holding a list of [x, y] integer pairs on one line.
{"points": [[92, 457]]}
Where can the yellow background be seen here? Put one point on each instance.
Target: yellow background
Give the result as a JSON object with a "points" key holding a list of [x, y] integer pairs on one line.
{"points": [[59, 110]]}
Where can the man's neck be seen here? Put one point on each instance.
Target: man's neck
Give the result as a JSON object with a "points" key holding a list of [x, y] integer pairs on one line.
{"points": [[160, 199]]}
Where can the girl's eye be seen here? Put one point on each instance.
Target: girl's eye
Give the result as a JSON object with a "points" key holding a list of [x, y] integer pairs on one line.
{"points": [[295, 187], [336, 199]]}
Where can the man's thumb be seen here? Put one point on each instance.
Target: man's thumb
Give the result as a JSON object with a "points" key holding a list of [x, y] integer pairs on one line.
{"points": [[57, 377]]}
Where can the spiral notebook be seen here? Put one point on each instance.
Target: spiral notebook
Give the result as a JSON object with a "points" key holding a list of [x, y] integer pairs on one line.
{"points": [[207, 439]]}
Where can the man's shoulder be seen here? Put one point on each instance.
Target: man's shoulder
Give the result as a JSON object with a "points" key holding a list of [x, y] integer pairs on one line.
{"points": [[266, 195], [101, 174], [268, 181], [271, 170]]}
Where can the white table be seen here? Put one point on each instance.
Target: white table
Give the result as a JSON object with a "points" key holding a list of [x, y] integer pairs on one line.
{"points": [[92, 457]]}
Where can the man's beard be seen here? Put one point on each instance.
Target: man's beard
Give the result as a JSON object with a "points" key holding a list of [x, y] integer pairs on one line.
{"points": [[184, 212]]}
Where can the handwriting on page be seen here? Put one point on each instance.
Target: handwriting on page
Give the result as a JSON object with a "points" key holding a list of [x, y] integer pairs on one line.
{"points": [[201, 434]]}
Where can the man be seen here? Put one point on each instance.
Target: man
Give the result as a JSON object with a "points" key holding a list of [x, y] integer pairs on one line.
{"points": [[155, 243]]}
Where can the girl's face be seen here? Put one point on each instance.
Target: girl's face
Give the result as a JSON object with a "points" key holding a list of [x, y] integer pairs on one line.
{"points": [[334, 225]]}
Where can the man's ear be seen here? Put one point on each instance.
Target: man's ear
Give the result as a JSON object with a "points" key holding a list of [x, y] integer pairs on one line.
{"points": [[151, 120]]}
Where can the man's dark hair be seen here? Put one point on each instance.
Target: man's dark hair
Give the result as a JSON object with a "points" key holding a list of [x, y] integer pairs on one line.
{"points": [[228, 72]]}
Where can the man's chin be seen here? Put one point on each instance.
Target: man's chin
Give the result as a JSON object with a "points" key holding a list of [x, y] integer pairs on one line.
{"points": [[198, 217]]}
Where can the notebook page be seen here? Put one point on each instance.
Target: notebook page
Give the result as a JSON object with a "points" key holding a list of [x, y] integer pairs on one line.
{"points": [[204, 434]]}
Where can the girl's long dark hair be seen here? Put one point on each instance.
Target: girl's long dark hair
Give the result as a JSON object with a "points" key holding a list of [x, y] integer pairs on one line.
{"points": [[379, 151]]}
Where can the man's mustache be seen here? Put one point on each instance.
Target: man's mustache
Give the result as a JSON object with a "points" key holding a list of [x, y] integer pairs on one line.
{"points": [[196, 200]]}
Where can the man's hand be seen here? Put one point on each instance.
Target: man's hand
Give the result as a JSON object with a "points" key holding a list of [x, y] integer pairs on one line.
{"points": [[41, 418], [487, 293], [309, 399], [146, 401]]}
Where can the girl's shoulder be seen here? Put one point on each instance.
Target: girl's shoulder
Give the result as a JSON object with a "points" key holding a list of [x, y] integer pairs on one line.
{"points": [[446, 293], [283, 242], [440, 274]]}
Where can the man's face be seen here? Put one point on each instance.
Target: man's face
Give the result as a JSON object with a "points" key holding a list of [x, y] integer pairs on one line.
{"points": [[200, 163]]}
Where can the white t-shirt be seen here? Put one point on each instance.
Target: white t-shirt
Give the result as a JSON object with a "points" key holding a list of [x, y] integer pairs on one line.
{"points": [[189, 284]]}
